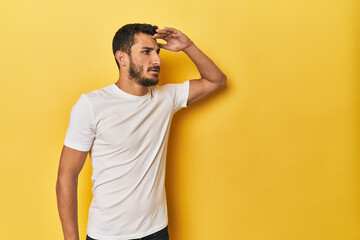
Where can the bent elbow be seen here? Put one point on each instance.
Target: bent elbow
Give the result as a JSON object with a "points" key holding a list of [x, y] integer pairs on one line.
{"points": [[222, 81]]}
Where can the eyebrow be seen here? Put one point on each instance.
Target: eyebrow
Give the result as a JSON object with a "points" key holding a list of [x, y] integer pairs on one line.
{"points": [[150, 48]]}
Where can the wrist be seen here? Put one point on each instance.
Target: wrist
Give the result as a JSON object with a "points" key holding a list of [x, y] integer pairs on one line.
{"points": [[189, 47]]}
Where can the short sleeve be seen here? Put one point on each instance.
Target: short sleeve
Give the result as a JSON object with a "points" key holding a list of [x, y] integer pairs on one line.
{"points": [[81, 130], [179, 93]]}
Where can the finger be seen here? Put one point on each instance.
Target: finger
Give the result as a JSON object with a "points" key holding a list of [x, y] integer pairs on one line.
{"points": [[164, 36], [161, 45], [160, 36], [173, 33], [167, 30], [171, 29], [156, 36], [161, 30]]}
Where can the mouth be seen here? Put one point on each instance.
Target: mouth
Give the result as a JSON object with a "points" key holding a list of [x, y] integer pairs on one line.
{"points": [[154, 70]]}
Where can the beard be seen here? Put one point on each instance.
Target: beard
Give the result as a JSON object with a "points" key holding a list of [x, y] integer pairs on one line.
{"points": [[136, 72]]}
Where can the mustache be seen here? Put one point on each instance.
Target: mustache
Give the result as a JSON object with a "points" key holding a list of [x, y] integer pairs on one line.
{"points": [[156, 68]]}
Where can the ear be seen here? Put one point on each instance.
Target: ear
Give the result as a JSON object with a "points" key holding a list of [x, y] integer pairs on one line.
{"points": [[121, 57]]}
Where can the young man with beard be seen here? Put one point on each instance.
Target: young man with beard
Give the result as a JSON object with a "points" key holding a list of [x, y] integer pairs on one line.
{"points": [[125, 129]]}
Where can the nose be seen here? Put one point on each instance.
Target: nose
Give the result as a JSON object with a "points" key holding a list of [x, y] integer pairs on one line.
{"points": [[156, 59]]}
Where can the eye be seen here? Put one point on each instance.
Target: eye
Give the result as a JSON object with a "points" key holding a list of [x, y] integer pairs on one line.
{"points": [[146, 51]]}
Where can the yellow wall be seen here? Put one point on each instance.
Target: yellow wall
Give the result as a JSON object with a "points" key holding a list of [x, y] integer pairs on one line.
{"points": [[274, 155]]}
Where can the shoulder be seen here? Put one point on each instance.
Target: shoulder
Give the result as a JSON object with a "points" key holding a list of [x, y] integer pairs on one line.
{"points": [[172, 88], [90, 102], [177, 92], [98, 96], [102, 92]]}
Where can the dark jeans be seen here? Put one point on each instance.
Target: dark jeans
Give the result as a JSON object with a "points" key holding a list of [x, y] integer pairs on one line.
{"points": [[160, 235]]}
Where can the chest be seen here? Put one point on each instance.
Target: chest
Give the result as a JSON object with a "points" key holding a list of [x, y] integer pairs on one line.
{"points": [[127, 124]]}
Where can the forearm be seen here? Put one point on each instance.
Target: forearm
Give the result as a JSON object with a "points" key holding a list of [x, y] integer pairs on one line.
{"points": [[206, 67], [66, 190]]}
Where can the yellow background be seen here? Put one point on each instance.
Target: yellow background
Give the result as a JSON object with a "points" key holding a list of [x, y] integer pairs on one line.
{"points": [[274, 155]]}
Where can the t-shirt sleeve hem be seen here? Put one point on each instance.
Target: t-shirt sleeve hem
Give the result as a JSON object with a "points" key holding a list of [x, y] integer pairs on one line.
{"points": [[78, 147], [186, 94]]}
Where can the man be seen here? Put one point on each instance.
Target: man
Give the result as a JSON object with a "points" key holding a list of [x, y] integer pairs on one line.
{"points": [[125, 129]]}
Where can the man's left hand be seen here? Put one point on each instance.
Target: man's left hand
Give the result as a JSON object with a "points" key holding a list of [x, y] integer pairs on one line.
{"points": [[175, 40]]}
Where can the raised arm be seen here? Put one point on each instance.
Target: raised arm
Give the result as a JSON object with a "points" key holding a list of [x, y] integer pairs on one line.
{"points": [[71, 163], [212, 78]]}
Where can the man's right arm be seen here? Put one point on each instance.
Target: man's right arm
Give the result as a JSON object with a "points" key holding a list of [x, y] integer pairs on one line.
{"points": [[71, 163]]}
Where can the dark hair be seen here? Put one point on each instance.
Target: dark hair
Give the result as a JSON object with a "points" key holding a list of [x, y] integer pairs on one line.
{"points": [[124, 37]]}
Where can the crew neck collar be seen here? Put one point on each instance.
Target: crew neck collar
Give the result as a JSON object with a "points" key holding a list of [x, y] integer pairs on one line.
{"points": [[124, 94]]}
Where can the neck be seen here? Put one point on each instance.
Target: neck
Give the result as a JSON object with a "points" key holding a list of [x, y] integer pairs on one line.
{"points": [[130, 86]]}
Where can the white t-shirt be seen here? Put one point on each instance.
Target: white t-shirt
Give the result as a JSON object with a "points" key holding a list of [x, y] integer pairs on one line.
{"points": [[127, 137]]}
